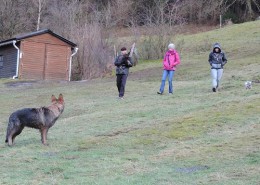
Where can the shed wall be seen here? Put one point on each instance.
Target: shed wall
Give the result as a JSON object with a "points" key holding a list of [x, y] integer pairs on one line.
{"points": [[47, 39], [9, 53], [57, 66], [44, 57], [32, 60]]}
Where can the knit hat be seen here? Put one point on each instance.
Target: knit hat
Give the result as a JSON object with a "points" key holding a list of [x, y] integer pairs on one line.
{"points": [[171, 46]]}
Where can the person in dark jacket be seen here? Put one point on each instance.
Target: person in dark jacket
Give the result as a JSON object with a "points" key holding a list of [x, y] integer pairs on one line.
{"points": [[122, 62], [217, 60]]}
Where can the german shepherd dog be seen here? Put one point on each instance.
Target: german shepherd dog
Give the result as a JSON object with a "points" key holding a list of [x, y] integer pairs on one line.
{"points": [[41, 118]]}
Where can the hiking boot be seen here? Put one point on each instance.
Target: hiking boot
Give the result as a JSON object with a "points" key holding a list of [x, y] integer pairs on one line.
{"points": [[214, 89]]}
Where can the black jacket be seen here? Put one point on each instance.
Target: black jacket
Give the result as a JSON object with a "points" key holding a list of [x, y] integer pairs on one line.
{"points": [[217, 60], [123, 63]]}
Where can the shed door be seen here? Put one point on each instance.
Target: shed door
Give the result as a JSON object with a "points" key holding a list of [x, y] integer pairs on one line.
{"points": [[56, 66], [41, 61], [32, 61]]}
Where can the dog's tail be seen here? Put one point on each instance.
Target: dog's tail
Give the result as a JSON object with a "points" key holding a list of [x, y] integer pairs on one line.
{"points": [[7, 133], [6, 139]]}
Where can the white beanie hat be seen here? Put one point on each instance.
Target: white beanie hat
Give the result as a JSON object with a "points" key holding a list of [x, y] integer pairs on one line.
{"points": [[171, 46]]}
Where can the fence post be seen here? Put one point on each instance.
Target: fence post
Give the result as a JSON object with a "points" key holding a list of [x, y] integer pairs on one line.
{"points": [[220, 21]]}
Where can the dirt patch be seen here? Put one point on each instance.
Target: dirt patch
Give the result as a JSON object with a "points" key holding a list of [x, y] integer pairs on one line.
{"points": [[20, 83], [151, 73], [145, 74], [192, 169], [123, 131]]}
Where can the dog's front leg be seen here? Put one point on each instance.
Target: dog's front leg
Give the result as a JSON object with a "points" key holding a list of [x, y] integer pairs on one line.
{"points": [[44, 135]]}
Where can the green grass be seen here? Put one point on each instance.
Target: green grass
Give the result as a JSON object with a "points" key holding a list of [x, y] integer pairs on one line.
{"points": [[191, 137]]}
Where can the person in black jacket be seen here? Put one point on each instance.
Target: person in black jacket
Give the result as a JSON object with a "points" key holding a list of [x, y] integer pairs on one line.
{"points": [[122, 62], [217, 60]]}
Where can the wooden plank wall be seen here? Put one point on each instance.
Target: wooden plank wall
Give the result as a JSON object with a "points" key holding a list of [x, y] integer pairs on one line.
{"points": [[44, 57], [9, 53], [32, 61], [57, 66], [47, 39]]}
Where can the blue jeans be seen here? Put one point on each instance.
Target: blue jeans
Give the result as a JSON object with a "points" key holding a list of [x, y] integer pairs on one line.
{"points": [[216, 75], [170, 77]]}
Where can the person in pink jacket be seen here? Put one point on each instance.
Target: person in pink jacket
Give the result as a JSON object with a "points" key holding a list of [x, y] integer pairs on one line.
{"points": [[170, 61]]}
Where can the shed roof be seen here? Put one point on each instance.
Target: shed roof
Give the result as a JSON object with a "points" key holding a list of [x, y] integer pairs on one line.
{"points": [[24, 36]]}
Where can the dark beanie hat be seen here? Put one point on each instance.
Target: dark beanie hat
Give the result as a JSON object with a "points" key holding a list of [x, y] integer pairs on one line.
{"points": [[123, 48]]}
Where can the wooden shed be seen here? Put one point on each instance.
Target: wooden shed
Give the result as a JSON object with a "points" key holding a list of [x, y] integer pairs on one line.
{"points": [[41, 55]]}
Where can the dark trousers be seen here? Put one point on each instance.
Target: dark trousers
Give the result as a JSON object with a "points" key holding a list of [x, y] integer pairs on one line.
{"points": [[120, 82]]}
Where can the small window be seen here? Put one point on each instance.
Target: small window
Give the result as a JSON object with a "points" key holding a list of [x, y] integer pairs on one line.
{"points": [[1, 61]]}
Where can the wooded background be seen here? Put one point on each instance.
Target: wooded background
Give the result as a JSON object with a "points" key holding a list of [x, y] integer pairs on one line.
{"points": [[95, 25]]}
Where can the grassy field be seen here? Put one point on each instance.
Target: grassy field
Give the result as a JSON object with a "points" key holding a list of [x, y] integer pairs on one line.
{"points": [[192, 137]]}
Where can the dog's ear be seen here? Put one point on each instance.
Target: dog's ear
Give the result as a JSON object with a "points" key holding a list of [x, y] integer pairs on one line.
{"points": [[61, 98], [53, 98]]}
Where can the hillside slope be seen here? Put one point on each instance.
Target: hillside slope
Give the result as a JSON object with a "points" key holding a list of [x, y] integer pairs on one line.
{"points": [[194, 136], [240, 42]]}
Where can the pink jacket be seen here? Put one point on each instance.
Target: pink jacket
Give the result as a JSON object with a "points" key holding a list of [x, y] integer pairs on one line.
{"points": [[171, 60]]}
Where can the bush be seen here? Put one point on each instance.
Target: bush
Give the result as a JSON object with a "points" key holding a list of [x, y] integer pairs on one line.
{"points": [[231, 15], [155, 42], [95, 56]]}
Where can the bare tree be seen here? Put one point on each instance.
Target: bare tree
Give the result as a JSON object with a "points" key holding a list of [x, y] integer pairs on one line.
{"points": [[251, 7], [12, 18], [94, 24], [39, 4], [115, 13], [159, 21], [80, 23], [208, 11]]}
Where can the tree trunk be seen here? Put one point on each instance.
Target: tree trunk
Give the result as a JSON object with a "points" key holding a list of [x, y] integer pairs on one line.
{"points": [[249, 7], [39, 14]]}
